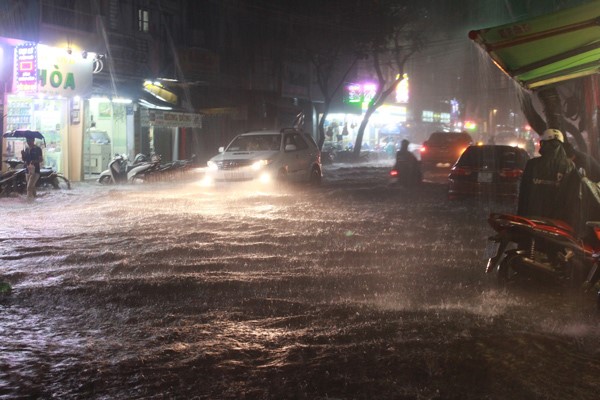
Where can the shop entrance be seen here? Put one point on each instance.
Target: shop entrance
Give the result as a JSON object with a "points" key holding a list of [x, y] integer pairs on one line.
{"points": [[104, 136]]}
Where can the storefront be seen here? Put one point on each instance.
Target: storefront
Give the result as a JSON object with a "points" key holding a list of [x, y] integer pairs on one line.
{"points": [[108, 130], [167, 132], [46, 95]]}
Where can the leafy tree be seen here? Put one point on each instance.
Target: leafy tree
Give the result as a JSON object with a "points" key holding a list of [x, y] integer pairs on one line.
{"points": [[393, 31], [326, 32]]}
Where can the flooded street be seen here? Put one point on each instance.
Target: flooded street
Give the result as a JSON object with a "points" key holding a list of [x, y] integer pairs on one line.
{"points": [[352, 290]]}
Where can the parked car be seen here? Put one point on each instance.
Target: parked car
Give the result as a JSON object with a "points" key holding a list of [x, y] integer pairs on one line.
{"points": [[442, 149], [288, 154], [493, 170]]}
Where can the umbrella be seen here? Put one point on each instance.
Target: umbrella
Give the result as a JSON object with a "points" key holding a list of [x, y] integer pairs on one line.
{"points": [[24, 133]]}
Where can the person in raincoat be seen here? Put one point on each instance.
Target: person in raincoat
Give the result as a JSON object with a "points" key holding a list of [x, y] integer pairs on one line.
{"points": [[543, 178], [407, 165]]}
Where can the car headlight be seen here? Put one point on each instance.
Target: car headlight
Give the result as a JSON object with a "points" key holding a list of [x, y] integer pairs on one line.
{"points": [[212, 165], [260, 164]]}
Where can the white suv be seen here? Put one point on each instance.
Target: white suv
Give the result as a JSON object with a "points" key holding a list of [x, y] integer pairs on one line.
{"points": [[288, 154]]}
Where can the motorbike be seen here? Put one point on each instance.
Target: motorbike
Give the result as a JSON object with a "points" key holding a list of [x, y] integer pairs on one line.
{"points": [[14, 180], [121, 171], [533, 247], [406, 171]]}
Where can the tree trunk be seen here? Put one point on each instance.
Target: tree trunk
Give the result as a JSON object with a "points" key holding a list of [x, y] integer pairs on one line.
{"points": [[361, 132], [321, 126]]}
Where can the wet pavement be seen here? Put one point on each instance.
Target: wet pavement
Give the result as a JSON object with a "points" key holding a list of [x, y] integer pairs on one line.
{"points": [[352, 290]]}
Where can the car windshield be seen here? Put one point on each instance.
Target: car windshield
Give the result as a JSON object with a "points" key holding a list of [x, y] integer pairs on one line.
{"points": [[493, 157], [255, 143]]}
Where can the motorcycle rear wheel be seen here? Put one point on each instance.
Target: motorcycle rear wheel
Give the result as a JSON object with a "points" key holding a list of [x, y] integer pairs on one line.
{"points": [[138, 179], [105, 180], [506, 273], [60, 182]]}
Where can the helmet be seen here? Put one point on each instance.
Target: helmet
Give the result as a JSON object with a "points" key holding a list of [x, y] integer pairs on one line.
{"points": [[551, 134]]}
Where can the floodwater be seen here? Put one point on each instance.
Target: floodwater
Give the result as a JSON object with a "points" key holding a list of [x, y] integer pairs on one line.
{"points": [[353, 290]]}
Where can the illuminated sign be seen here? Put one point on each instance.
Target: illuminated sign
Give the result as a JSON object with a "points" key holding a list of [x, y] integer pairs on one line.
{"points": [[402, 89], [61, 73], [360, 94], [430, 116], [50, 70], [25, 71]]}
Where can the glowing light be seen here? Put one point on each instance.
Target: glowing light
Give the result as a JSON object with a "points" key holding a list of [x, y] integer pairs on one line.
{"points": [[402, 90], [265, 178], [470, 125], [120, 100], [206, 181], [257, 165]]}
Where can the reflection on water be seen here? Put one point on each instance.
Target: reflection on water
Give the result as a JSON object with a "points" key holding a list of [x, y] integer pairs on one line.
{"points": [[231, 292]]}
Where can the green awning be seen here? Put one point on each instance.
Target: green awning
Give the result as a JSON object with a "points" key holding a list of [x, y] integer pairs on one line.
{"points": [[547, 49]]}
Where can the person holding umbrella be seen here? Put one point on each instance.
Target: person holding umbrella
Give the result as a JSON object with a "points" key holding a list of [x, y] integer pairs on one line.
{"points": [[32, 157]]}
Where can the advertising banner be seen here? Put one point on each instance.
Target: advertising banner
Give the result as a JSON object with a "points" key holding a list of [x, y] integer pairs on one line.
{"points": [[50, 70]]}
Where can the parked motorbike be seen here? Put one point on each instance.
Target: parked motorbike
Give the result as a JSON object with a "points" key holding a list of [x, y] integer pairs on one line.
{"points": [[143, 169], [121, 171], [541, 248], [15, 179]]}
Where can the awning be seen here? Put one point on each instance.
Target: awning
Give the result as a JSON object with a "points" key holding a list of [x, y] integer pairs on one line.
{"points": [[548, 49]]}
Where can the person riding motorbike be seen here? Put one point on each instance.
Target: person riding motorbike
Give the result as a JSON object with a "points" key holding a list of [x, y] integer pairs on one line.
{"points": [[543, 178], [407, 165]]}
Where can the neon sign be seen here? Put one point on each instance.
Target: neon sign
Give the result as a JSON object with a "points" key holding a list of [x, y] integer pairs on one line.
{"points": [[360, 94], [26, 67]]}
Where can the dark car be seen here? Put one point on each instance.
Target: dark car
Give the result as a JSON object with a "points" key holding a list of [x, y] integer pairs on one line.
{"points": [[493, 170], [442, 149]]}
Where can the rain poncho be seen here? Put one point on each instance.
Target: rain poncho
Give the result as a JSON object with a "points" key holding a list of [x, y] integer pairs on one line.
{"points": [[407, 165], [543, 180]]}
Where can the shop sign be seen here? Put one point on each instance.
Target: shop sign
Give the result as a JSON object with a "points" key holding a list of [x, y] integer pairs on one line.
{"points": [[25, 70], [170, 119], [51, 70]]}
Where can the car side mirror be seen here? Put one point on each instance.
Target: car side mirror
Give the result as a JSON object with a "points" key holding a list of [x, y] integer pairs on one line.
{"points": [[221, 149], [290, 147]]}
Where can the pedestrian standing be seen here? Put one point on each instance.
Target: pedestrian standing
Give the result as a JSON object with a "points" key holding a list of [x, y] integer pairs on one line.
{"points": [[32, 157]]}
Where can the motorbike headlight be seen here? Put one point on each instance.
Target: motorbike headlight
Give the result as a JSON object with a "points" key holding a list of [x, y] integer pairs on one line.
{"points": [[212, 165]]}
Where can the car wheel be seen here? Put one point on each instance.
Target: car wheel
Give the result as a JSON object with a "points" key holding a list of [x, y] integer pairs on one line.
{"points": [[282, 174], [315, 176]]}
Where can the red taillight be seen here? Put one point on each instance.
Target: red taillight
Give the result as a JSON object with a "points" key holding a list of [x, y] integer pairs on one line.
{"points": [[423, 149], [597, 232], [393, 172], [460, 171], [511, 173]]}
